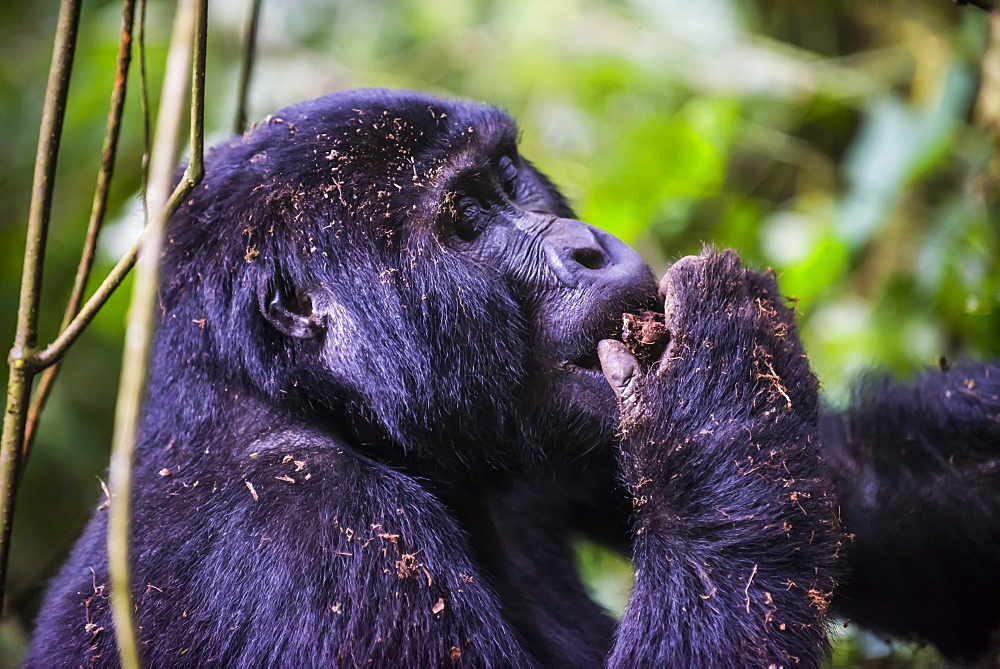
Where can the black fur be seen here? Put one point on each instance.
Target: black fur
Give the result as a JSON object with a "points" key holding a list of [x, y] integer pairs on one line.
{"points": [[736, 537], [374, 425], [918, 472]]}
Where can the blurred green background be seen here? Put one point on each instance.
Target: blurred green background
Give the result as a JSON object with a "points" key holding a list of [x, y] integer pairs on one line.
{"points": [[851, 146]]}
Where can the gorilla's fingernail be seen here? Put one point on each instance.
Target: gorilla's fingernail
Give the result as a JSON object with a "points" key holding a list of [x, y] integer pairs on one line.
{"points": [[687, 263], [619, 366]]}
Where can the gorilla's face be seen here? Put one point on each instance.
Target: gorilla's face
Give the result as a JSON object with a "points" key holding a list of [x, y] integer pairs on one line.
{"points": [[430, 277], [572, 280]]}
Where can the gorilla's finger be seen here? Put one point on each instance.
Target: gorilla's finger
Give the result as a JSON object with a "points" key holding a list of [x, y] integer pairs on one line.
{"points": [[688, 265], [620, 367]]}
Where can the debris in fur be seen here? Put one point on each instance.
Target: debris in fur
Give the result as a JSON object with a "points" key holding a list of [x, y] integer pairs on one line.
{"points": [[646, 335]]}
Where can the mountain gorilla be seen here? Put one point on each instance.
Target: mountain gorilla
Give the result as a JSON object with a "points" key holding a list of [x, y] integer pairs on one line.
{"points": [[383, 405]]}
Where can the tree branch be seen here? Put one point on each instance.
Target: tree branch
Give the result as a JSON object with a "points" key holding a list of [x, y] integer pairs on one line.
{"points": [[52, 353], [246, 67], [189, 29], [985, 5], [144, 104], [21, 370]]}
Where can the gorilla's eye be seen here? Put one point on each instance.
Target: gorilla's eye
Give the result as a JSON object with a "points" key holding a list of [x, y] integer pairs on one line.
{"points": [[507, 174], [469, 218]]}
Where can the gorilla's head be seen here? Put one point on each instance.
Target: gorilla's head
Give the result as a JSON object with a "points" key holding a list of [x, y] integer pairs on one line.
{"points": [[391, 257]]}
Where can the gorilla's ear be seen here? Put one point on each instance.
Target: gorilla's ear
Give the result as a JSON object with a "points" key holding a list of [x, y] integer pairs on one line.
{"points": [[289, 311]]}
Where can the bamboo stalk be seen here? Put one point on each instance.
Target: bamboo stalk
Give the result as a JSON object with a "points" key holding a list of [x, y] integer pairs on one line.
{"points": [[189, 37]]}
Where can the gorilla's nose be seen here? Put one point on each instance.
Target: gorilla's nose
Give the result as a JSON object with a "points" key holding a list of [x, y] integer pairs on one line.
{"points": [[582, 254]]}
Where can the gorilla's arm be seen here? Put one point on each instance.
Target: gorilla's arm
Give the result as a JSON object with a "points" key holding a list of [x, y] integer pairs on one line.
{"points": [[299, 554], [917, 470], [532, 563], [735, 540]]}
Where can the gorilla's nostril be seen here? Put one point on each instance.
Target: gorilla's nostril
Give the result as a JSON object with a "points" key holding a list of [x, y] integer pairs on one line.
{"points": [[590, 258]]}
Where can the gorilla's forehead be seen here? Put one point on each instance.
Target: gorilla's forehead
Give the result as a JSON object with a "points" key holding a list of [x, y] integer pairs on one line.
{"points": [[377, 131], [374, 157]]}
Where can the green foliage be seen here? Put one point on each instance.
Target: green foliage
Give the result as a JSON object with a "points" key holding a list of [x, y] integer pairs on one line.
{"points": [[835, 142]]}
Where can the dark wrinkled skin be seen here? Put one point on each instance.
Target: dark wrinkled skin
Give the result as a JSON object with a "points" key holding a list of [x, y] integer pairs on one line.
{"points": [[388, 394]]}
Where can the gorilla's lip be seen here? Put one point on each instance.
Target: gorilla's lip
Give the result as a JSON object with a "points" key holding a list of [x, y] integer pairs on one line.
{"points": [[587, 360]]}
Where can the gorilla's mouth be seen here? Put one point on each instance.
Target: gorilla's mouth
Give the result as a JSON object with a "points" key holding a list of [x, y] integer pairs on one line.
{"points": [[584, 358], [587, 362], [644, 332], [614, 319]]}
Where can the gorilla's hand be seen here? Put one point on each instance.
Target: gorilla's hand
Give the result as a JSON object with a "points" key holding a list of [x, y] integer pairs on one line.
{"points": [[733, 363], [720, 452]]}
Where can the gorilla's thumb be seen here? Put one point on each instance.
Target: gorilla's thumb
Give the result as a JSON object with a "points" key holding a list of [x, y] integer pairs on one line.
{"points": [[620, 367]]}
